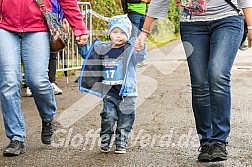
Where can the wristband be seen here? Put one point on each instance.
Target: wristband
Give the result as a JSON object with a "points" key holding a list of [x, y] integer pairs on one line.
{"points": [[146, 31], [249, 27]]}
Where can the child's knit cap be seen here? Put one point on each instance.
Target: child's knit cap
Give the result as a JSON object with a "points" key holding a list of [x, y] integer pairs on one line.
{"points": [[122, 22]]}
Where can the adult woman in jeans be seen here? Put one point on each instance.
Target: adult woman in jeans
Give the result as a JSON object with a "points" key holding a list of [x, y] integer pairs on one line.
{"points": [[211, 37], [24, 32]]}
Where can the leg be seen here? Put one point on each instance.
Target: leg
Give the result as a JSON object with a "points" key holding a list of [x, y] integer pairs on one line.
{"points": [[196, 43], [35, 54], [126, 118], [135, 20], [225, 41], [108, 118], [52, 67], [52, 73], [36, 59], [10, 82]]}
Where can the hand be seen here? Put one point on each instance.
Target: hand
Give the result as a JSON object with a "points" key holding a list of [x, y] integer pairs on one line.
{"points": [[65, 25], [82, 40], [139, 43]]}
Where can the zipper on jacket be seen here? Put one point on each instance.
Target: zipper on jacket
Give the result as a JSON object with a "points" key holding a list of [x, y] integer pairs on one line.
{"points": [[127, 64], [1, 12]]}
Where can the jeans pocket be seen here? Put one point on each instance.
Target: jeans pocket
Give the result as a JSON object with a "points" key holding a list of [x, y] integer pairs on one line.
{"points": [[128, 105]]}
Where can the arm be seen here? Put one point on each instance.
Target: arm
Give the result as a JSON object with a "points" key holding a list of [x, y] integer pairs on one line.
{"points": [[157, 9], [248, 17], [73, 15], [56, 8], [246, 6], [149, 23]]}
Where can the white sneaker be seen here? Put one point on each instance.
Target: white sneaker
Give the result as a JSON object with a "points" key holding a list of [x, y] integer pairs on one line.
{"points": [[56, 89], [28, 92], [244, 45], [141, 64]]}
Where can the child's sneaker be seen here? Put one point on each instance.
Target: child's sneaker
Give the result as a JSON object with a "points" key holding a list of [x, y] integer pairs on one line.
{"points": [[120, 150], [105, 148]]}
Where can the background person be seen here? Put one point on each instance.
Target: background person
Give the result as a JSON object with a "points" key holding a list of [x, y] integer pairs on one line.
{"points": [[211, 32], [56, 8], [54, 55], [136, 12]]}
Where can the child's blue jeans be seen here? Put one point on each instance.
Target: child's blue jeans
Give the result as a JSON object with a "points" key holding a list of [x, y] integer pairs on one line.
{"points": [[120, 111]]}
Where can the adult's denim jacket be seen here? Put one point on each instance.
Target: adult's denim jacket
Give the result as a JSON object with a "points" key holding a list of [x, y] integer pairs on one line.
{"points": [[90, 79]]}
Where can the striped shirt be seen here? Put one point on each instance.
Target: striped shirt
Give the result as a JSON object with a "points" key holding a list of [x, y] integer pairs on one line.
{"points": [[216, 9]]}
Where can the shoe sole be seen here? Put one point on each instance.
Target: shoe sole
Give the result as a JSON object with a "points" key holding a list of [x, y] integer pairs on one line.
{"points": [[9, 154], [120, 152], [104, 151], [59, 93], [46, 142], [205, 159], [219, 158]]}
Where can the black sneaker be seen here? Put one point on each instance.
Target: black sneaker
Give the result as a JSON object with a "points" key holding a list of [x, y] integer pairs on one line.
{"points": [[14, 148], [47, 132], [120, 150], [219, 152], [105, 147], [205, 153]]}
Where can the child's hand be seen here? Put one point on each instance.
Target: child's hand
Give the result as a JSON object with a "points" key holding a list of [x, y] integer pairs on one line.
{"points": [[139, 43]]}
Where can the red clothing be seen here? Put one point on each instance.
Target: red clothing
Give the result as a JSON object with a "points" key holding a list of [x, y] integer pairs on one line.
{"points": [[25, 16]]}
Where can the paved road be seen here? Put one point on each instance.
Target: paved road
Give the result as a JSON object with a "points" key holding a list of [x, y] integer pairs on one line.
{"points": [[164, 131]]}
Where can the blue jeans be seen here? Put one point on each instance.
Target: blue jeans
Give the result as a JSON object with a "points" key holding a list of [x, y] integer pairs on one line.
{"points": [[122, 111], [34, 49], [211, 47], [137, 21]]}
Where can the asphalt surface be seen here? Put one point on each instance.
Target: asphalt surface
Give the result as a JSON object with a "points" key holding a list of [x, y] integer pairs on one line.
{"points": [[164, 131]]}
